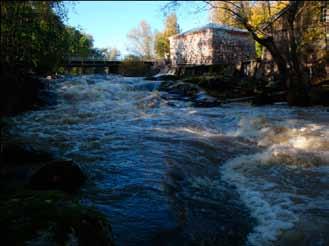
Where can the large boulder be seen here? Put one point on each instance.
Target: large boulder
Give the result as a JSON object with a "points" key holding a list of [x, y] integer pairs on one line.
{"points": [[319, 96], [62, 175], [50, 218]]}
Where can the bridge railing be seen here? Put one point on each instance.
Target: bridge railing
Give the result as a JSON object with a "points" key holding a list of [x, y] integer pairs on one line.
{"points": [[89, 58], [97, 59]]}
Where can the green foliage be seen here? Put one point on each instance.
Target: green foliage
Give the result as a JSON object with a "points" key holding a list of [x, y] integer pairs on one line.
{"points": [[78, 43], [259, 49], [162, 46], [35, 39]]}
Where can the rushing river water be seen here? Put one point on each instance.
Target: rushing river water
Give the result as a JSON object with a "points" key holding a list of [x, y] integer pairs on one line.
{"points": [[168, 173]]}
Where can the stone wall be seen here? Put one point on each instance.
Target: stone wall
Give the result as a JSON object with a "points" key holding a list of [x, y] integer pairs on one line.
{"points": [[231, 47], [211, 46], [195, 48]]}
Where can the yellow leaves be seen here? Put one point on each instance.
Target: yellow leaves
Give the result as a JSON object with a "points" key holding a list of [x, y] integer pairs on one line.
{"points": [[262, 11], [256, 12], [220, 14], [162, 38]]}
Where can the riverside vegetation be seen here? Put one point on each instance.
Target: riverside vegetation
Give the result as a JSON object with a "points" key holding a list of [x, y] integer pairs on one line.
{"points": [[35, 42]]}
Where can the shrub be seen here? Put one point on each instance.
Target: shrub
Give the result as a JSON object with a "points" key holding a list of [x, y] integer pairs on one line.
{"points": [[134, 67]]}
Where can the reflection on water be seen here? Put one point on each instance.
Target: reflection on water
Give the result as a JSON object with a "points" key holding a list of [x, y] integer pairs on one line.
{"points": [[166, 173]]}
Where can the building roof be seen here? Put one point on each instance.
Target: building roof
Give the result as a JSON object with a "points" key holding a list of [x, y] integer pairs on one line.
{"points": [[211, 26]]}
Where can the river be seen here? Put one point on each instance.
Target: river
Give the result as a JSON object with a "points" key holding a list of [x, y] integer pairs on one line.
{"points": [[167, 173]]}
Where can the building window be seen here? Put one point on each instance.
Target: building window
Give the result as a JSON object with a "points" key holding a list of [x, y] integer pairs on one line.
{"points": [[324, 17]]}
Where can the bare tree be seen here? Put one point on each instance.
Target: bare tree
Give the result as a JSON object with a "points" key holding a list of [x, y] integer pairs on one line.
{"points": [[141, 41], [112, 54]]}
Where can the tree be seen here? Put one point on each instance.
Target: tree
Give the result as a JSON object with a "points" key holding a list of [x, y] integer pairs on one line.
{"points": [[162, 47], [78, 43], [35, 39], [112, 54], [220, 15], [286, 52], [141, 41], [257, 12], [32, 35]]}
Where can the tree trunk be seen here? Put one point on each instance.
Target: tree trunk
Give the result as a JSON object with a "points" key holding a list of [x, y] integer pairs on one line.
{"points": [[289, 65]]}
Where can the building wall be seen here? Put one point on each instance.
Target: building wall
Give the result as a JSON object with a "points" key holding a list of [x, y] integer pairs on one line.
{"points": [[195, 48], [210, 47], [231, 47]]}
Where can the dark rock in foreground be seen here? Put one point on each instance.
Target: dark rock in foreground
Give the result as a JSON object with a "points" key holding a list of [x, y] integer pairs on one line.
{"points": [[262, 99], [36, 217], [49, 218], [15, 154], [319, 95], [59, 175]]}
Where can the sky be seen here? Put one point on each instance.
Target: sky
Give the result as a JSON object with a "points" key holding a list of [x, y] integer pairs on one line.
{"points": [[110, 21]]}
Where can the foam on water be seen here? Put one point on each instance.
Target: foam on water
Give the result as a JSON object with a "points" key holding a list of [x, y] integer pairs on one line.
{"points": [[285, 181]]}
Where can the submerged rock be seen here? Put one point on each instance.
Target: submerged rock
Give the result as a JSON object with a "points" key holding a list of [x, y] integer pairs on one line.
{"points": [[62, 175], [162, 77], [49, 218], [181, 88], [206, 103], [262, 99], [203, 100], [188, 92]]}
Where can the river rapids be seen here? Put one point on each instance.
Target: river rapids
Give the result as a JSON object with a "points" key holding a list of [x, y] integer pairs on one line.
{"points": [[167, 173]]}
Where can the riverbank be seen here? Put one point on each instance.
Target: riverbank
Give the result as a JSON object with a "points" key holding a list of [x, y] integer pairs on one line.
{"points": [[21, 92], [38, 204], [230, 88]]}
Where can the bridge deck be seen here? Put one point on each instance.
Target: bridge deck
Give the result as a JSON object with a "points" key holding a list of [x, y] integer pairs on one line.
{"points": [[94, 62]]}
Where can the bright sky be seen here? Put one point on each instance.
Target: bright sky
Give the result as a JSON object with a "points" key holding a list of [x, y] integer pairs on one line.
{"points": [[109, 22]]}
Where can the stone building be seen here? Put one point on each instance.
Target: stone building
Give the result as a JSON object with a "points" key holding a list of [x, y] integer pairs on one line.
{"points": [[211, 44]]}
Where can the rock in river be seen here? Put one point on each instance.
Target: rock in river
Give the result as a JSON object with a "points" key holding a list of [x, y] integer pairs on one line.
{"points": [[62, 175], [50, 218], [164, 77]]}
